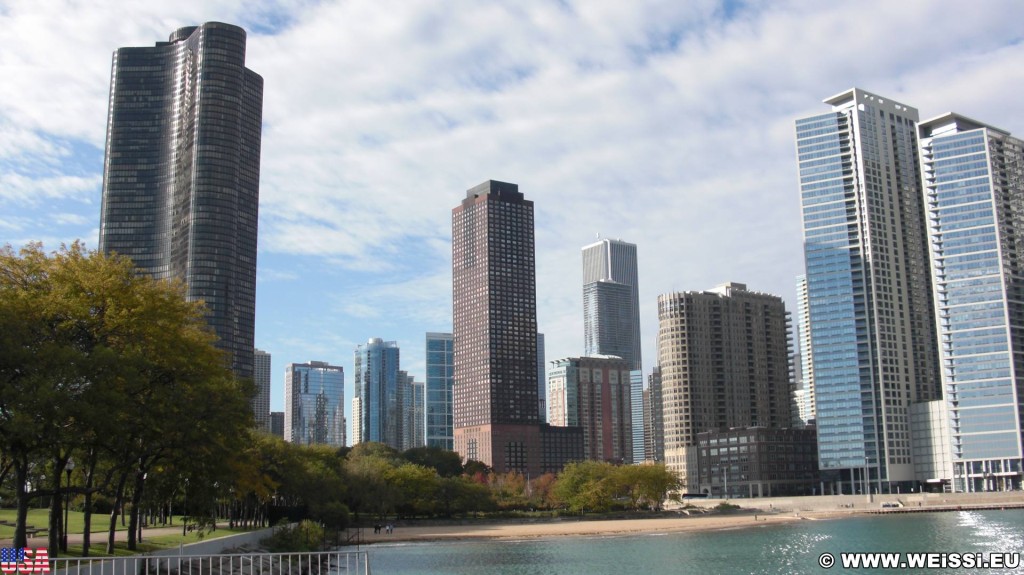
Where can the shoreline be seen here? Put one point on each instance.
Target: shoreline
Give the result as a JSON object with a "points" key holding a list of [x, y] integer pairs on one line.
{"points": [[568, 527], [699, 517]]}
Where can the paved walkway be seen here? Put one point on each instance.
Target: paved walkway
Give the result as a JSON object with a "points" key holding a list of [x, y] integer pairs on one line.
{"points": [[99, 538]]}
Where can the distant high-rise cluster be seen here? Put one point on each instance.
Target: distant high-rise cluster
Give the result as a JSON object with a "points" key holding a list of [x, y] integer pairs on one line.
{"points": [[909, 330]]}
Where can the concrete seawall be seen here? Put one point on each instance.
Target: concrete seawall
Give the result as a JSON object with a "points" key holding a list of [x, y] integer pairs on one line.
{"points": [[860, 503]]}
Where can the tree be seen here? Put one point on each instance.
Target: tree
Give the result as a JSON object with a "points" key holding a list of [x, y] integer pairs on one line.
{"points": [[103, 364], [586, 485], [445, 463], [416, 488]]}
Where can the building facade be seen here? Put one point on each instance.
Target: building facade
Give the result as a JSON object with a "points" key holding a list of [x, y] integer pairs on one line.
{"points": [[805, 354], [261, 401], [357, 420], [758, 462], [724, 358], [542, 381], [494, 304], [440, 371], [974, 189], [654, 421], [611, 301], [636, 400], [929, 431], [277, 424], [412, 402], [314, 404], [595, 393], [869, 297], [181, 173], [378, 382]]}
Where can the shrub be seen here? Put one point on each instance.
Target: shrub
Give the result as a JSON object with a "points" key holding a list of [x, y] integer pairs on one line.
{"points": [[303, 536]]}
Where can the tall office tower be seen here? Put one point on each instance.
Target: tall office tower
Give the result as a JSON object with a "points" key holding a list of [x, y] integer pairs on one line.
{"points": [[654, 421], [439, 391], [611, 301], [261, 402], [974, 188], [494, 303], [542, 381], [869, 298], [636, 402], [805, 353], [377, 385], [411, 399], [181, 173], [724, 357], [594, 393], [314, 404]]}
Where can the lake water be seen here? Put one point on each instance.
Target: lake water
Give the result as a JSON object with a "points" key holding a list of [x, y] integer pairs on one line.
{"points": [[775, 549]]}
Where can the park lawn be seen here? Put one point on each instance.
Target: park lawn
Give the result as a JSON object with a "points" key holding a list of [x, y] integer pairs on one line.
{"points": [[148, 544], [39, 518]]}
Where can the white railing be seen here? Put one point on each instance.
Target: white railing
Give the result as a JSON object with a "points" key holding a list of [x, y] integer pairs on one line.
{"points": [[319, 563]]}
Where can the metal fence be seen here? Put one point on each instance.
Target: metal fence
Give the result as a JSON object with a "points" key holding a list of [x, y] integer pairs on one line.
{"points": [[320, 563]]}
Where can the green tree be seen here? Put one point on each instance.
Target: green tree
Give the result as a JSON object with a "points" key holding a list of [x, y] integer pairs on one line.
{"points": [[445, 463], [113, 368], [416, 488], [371, 491], [586, 486]]}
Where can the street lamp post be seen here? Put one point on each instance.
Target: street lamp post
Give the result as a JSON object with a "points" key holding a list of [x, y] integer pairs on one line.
{"points": [[67, 503], [184, 512]]}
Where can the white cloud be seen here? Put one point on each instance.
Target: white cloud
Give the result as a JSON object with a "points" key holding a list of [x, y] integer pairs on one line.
{"points": [[668, 124]]}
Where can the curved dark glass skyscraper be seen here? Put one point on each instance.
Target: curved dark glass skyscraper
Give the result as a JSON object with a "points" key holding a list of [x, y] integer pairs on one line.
{"points": [[181, 173]]}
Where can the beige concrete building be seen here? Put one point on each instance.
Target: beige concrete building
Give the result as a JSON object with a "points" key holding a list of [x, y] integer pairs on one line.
{"points": [[724, 358]]}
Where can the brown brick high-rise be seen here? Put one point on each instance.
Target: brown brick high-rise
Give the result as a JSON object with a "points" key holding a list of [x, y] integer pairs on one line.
{"points": [[494, 304]]}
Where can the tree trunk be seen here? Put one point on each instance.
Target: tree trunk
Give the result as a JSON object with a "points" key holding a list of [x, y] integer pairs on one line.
{"points": [[118, 501], [20, 477], [87, 508], [134, 528], [56, 517]]}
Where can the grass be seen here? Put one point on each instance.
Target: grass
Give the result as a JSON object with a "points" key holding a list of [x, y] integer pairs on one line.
{"points": [[39, 518]]}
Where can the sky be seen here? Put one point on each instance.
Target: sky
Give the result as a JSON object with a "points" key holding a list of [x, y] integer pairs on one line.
{"points": [[665, 124]]}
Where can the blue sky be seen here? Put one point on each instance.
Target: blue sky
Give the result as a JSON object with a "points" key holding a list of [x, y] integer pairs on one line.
{"points": [[666, 124]]}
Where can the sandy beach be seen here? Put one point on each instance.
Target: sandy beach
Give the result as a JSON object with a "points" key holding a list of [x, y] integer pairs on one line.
{"points": [[570, 527]]}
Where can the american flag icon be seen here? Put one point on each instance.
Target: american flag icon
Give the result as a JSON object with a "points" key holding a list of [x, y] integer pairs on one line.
{"points": [[24, 560]]}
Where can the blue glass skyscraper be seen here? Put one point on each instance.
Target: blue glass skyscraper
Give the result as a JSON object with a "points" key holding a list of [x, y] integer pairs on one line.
{"points": [[868, 287], [314, 404], [439, 390], [974, 185], [377, 385]]}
